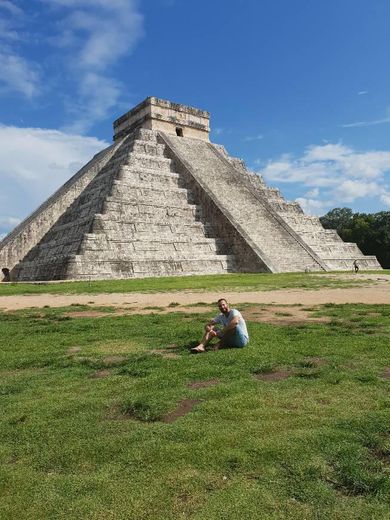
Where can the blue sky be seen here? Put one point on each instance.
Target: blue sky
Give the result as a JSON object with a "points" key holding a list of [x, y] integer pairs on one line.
{"points": [[300, 89]]}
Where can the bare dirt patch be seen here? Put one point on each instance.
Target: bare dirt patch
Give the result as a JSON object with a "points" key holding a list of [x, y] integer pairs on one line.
{"points": [[16, 372], [373, 293], [99, 374], [165, 353], [184, 407], [283, 315], [386, 373], [271, 377], [323, 402], [74, 350], [203, 384]]}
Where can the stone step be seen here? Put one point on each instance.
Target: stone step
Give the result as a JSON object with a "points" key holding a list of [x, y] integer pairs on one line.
{"points": [[163, 254], [121, 192], [342, 251], [148, 148], [140, 146], [146, 135], [138, 160], [283, 207], [150, 220], [344, 264], [147, 179], [129, 269], [150, 230], [100, 241], [150, 213], [121, 201], [320, 239]]}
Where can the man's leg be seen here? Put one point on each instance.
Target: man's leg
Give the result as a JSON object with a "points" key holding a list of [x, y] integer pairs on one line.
{"points": [[224, 341], [233, 339], [209, 334]]}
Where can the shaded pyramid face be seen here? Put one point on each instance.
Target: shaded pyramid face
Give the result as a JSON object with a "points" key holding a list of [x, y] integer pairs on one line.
{"points": [[163, 200]]}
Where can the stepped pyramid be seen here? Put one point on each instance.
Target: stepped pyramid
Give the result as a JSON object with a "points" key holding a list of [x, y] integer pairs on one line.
{"points": [[163, 200]]}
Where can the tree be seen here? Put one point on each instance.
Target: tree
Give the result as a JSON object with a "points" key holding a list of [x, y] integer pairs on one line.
{"points": [[371, 232], [337, 218]]}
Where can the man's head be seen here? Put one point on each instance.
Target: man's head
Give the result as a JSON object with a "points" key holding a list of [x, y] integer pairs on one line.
{"points": [[223, 306]]}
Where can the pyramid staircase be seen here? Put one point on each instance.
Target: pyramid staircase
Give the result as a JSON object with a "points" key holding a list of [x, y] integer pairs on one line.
{"points": [[273, 241], [326, 244]]}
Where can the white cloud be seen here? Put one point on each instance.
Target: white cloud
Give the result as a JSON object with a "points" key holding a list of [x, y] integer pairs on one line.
{"points": [[313, 193], [373, 122], [350, 190], [97, 33], [19, 75], [35, 162], [362, 92], [313, 206], [8, 221], [10, 7], [97, 96], [336, 174], [385, 198], [93, 35], [367, 123]]}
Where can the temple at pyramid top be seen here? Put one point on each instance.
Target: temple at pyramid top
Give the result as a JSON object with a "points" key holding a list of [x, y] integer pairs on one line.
{"points": [[164, 116]]}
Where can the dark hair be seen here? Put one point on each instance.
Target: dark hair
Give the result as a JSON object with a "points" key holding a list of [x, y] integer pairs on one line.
{"points": [[222, 300]]}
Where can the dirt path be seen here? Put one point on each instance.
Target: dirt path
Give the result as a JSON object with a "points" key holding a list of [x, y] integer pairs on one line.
{"points": [[371, 294]]}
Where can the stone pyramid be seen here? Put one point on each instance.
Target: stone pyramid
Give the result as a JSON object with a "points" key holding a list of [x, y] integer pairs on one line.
{"points": [[163, 200]]}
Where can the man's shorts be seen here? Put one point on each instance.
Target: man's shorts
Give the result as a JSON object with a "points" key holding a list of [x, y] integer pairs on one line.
{"points": [[238, 340]]}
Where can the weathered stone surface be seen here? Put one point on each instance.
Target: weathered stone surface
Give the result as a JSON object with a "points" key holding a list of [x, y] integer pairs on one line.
{"points": [[157, 204]]}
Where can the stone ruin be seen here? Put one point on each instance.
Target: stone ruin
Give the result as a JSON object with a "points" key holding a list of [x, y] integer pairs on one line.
{"points": [[164, 200]]}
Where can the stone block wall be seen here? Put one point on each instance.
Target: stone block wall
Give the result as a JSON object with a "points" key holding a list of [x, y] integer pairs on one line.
{"points": [[134, 219], [28, 233]]}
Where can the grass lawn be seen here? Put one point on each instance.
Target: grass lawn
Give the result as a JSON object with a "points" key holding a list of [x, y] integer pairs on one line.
{"points": [[113, 418], [236, 282]]}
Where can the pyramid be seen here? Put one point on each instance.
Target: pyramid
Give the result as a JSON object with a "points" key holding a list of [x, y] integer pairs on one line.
{"points": [[164, 200]]}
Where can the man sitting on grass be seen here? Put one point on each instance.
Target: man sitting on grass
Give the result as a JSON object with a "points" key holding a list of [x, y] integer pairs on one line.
{"points": [[232, 334]]}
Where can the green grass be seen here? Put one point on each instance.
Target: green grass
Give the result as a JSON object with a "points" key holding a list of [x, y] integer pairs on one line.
{"points": [[235, 282], [74, 445]]}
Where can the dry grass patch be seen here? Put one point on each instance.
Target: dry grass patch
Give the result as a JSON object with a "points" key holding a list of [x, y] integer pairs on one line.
{"points": [[283, 315], [271, 377], [73, 350], [99, 374], [113, 360], [86, 314]]}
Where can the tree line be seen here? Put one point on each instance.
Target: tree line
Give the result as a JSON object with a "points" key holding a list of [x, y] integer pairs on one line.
{"points": [[370, 231]]}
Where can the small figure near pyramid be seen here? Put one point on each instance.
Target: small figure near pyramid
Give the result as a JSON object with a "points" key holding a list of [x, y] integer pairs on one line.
{"points": [[6, 275], [164, 200]]}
